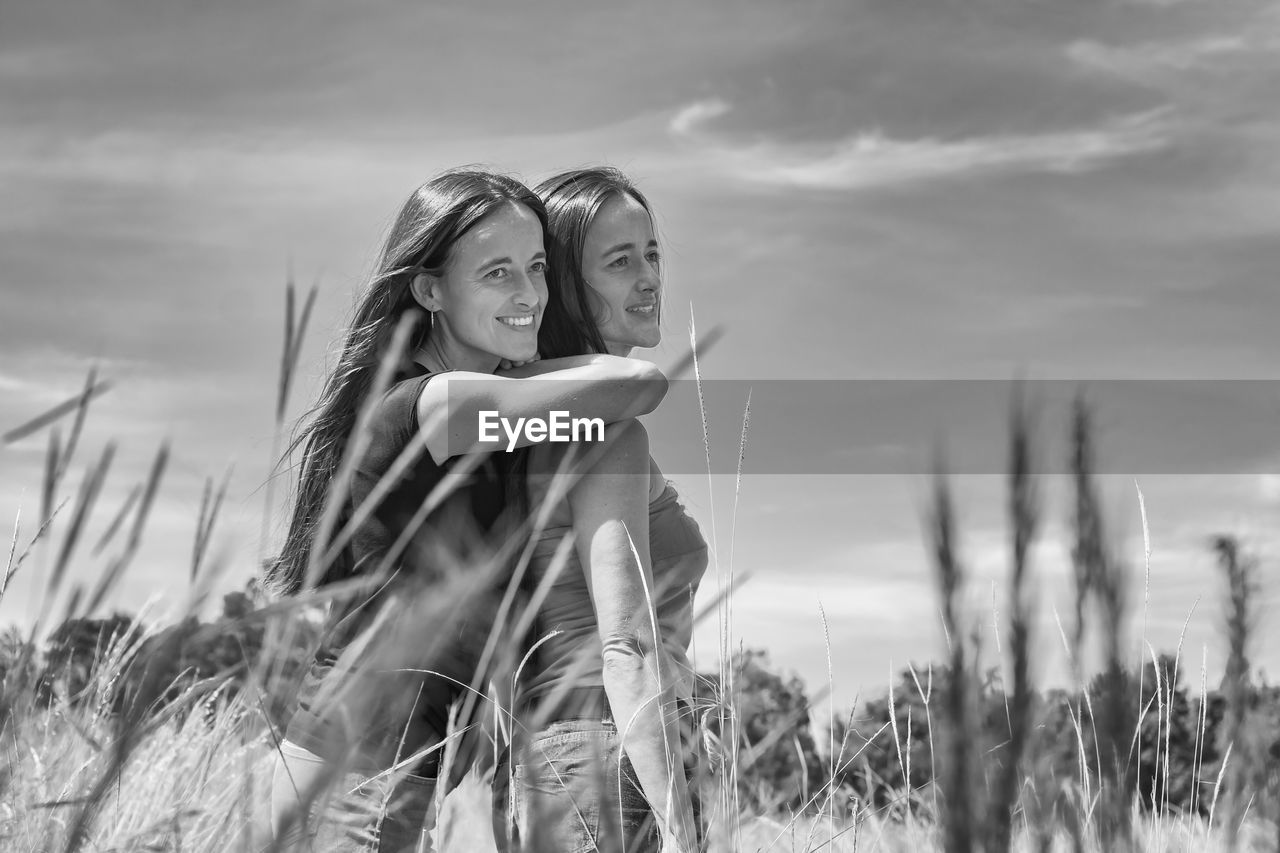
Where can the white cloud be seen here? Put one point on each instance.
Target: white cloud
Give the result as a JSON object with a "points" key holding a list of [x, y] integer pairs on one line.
{"points": [[872, 159], [1143, 60], [175, 162], [688, 120]]}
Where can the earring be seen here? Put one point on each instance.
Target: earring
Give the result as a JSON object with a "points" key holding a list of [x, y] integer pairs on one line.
{"points": [[432, 320]]}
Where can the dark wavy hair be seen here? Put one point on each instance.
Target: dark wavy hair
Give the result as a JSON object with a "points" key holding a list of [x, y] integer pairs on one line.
{"points": [[431, 221], [573, 199]]}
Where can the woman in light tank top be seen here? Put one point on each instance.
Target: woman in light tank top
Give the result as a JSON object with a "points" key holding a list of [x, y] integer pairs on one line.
{"points": [[584, 780]]}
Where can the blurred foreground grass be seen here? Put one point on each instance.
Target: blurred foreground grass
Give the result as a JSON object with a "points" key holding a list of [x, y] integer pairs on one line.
{"points": [[140, 743]]}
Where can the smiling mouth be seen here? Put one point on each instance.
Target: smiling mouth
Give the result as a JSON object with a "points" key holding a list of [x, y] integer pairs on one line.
{"points": [[517, 322], [643, 310]]}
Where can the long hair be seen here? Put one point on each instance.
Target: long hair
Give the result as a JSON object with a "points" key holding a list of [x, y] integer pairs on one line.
{"points": [[573, 199], [431, 221]]}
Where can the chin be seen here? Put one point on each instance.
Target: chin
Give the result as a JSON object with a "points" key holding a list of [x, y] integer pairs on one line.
{"points": [[523, 354]]}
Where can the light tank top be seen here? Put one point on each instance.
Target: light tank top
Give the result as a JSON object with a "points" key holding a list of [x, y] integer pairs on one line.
{"points": [[572, 657]]}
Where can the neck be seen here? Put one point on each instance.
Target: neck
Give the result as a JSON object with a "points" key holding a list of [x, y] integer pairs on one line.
{"points": [[621, 350], [441, 352]]}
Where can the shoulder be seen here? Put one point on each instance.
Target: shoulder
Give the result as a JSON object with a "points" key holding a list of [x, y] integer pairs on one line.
{"points": [[392, 422], [399, 405], [436, 391]]}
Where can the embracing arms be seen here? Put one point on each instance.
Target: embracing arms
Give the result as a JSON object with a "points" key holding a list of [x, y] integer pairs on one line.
{"points": [[608, 387], [610, 506]]}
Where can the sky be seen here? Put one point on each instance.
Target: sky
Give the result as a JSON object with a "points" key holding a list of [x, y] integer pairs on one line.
{"points": [[853, 190]]}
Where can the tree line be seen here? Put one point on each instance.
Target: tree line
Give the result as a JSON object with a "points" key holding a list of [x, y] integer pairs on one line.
{"points": [[882, 756]]}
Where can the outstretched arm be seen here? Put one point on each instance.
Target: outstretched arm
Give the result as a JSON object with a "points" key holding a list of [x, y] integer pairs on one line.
{"points": [[591, 386], [610, 505]]}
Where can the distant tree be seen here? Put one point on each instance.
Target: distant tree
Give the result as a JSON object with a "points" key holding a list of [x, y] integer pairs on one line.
{"points": [[227, 651], [1173, 763], [876, 768], [778, 765], [1167, 743], [16, 653], [170, 661], [19, 670], [73, 652]]}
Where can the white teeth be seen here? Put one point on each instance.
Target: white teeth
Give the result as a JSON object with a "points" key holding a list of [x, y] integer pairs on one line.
{"points": [[526, 320], [642, 309]]}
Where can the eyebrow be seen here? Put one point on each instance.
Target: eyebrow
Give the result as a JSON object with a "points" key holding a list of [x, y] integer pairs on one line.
{"points": [[493, 262], [621, 246]]}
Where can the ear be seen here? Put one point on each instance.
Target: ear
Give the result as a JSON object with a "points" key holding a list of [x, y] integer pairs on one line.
{"points": [[425, 288]]}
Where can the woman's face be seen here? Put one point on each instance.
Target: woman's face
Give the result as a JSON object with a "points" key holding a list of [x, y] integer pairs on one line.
{"points": [[620, 263], [491, 295]]}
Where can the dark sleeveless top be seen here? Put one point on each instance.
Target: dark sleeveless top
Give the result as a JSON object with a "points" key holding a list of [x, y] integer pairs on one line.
{"points": [[426, 554], [456, 530]]}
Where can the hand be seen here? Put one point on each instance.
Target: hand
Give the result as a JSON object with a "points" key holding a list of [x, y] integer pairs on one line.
{"points": [[508, 364]]}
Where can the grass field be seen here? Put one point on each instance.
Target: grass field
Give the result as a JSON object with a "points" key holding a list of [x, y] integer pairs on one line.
{"points": [[195, 786], [187, 768]]}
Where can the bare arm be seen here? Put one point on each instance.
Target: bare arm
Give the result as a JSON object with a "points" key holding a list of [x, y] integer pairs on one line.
{"points": [[610, 506], [594, 386]]}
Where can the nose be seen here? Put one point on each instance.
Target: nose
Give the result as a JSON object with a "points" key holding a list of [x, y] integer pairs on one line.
{"points": [[527, 296], [650, 281]]}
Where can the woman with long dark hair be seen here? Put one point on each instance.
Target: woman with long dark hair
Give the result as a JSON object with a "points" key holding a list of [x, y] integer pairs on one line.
{"points": [[400, 521], [635, 549]]}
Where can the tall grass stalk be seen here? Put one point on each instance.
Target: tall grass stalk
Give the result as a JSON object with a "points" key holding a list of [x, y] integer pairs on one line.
{"points": [[116, 567], [1146, 610], [14, 565], [80, 401], [295, 330], [1100, 576], [958, 810], [1238, 571], [728, 805], [210, 507], [1024, 523], [117, 520], [926, 694]]}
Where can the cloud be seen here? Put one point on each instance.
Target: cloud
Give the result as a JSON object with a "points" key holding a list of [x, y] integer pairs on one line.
{"points": [[1140, 61], [690, 118], [872, 159], [1244, 36], [176, 163]]}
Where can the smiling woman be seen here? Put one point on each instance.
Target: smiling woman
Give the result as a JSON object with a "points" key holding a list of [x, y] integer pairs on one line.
{"points": [[621, 267], [429, 574], [611, 676], [488, 295]]}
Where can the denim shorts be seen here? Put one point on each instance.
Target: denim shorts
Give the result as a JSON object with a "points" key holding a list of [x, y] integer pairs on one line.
{"points": [[575, 792], [356, 813]]}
